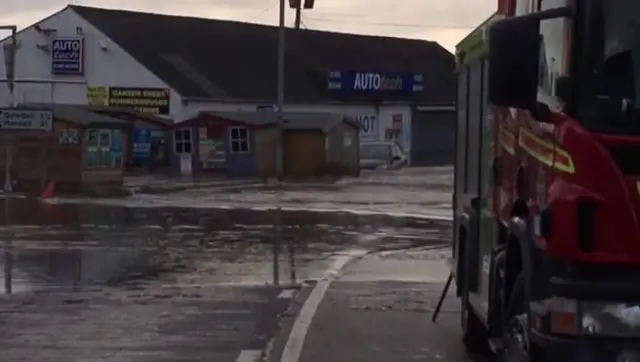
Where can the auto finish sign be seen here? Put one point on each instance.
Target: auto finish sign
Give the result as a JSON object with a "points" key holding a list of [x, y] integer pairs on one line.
{"points": [[368, 127], [376, 82]]}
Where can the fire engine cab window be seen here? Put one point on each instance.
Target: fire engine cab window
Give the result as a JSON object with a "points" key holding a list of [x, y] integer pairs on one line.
{"points": [[554, 51]]}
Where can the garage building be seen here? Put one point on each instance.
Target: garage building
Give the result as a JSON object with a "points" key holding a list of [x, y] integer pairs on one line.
{"points": [[176, 67]]}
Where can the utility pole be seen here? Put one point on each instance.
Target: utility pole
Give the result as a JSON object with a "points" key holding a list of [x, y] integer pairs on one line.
{"points": [[277, 242], [280, 92], [9, 50], [298, 14]]}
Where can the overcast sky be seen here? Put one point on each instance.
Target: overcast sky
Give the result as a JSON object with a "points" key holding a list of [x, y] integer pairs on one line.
{"points": [[444, 21]]}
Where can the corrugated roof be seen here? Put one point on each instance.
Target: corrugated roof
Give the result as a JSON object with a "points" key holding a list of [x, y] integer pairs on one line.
{"points": [[292, 120], [74, 113], [132, 114]]}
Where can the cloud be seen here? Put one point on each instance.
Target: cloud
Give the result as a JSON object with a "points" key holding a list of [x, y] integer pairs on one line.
{"points": [[443, 21]]}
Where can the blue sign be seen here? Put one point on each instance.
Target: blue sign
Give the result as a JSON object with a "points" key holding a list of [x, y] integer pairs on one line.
{"points": [[354, 81], [67, 56], [141, 144], [116, 143]]}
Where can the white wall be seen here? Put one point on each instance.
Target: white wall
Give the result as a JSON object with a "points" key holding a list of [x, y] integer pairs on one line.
{"points": [[113, 67]]}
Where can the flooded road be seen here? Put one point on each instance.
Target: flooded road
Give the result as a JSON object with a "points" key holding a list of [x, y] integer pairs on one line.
{"points": [[410, 192], [108, 282]]}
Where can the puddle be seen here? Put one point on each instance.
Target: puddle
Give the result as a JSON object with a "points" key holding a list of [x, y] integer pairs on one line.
{"points": [[77, 247]]}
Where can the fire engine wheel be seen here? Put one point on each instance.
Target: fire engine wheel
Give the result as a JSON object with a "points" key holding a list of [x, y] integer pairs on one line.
{"points": [[516, 340], [474, 332], [517, 345]]}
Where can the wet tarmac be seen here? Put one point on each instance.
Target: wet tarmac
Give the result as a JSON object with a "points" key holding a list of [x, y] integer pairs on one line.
{"points": [[82, 245], [185, 279], [169, 283]]}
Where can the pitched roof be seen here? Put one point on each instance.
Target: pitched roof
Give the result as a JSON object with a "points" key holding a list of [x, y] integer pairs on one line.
{"points": [[204, 58], [292, 120]]}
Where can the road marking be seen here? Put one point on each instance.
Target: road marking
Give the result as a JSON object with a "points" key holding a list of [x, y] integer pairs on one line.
{"points": [[293, 348], [249, 355], [287, 294]]}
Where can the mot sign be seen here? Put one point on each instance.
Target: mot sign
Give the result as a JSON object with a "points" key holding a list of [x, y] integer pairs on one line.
{"points": [[67, 56], [368, 127], [23, 119]]}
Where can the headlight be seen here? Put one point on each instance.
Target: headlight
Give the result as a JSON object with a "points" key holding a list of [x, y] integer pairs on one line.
{"points": [[565, 316]]}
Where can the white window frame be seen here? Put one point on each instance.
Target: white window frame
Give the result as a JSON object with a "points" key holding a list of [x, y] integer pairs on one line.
{"points": [[239, 140], [183, 141]]}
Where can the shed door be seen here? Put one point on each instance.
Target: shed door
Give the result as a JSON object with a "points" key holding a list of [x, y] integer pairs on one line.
{"points": [[433, 138], [304, 154]]}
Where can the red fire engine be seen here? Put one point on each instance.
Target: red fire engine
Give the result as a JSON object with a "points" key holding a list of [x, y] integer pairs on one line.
{"points": [[546, 252]]}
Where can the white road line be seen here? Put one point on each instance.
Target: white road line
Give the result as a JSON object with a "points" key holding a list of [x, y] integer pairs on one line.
{"points": [[293, 348], [287, 294], [249, 355]]}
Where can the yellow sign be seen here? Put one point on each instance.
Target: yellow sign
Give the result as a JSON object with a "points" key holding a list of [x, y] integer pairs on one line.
{"points": [[98, 96], [144, 100]]}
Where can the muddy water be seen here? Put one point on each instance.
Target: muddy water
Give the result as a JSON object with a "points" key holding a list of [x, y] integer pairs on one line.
{"points": [[79, 247]]}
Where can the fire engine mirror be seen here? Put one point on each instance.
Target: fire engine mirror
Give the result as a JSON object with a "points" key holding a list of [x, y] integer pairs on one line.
{"points": [[514, 51]]}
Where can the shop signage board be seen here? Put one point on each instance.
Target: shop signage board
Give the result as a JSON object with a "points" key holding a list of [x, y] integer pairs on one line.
{"points": [[67, 56], [24, 119], [374, 82], [146, 100]]}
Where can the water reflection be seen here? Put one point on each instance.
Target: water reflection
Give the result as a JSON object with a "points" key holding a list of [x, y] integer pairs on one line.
{"points": [[76, 247]]}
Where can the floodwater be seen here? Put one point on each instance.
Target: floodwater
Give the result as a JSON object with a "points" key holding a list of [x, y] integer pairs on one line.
{"points": [[200, 275], [83, 246], [409, 192]]}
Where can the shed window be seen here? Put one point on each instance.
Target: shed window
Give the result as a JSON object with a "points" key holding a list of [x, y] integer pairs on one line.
{"points": [[239, 137], [183, 140], [103, 148]]}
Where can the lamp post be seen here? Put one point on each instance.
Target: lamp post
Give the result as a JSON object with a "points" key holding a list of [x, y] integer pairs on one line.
{"points": [[297, 4], [280, 92], [9, 50]]}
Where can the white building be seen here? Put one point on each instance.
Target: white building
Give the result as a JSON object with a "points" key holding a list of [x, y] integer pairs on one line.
{"points": [[176, 67]]}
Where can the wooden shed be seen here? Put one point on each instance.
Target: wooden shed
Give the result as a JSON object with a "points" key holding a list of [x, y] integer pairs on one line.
{"points": [[243, 144], [83, 150], [315, 145], [145, 130]]}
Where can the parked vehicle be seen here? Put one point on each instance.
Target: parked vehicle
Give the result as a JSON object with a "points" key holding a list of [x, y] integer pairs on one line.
{"points": [[546, 247], [383, 154]]}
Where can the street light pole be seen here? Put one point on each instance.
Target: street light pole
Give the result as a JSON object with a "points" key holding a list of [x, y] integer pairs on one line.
{"points": [[9, 50], [277, 243], [280, 95]]}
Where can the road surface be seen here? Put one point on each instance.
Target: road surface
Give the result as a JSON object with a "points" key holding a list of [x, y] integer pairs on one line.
{"points": [[167, 278]]}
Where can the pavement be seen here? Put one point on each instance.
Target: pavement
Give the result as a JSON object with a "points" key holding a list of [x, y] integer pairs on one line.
{"points": [[179, 277], [377, 310]]}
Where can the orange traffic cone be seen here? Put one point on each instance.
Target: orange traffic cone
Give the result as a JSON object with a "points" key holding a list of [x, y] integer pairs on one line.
{"points": [[48, 191]]}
